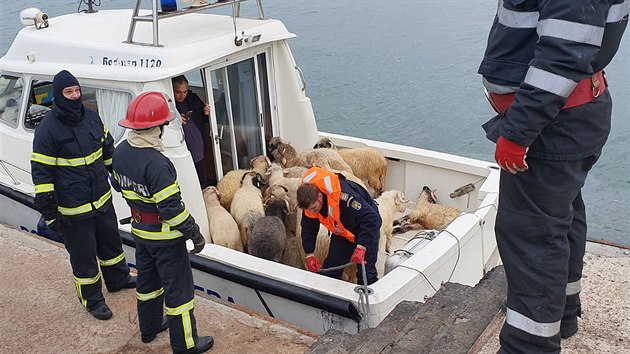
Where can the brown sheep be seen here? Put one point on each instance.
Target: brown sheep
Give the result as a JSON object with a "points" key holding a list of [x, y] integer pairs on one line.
{"points": [[431, 215], [366, 163]]}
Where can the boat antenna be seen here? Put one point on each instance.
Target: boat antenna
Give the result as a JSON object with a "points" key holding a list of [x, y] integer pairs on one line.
{"points": [[237, 41], [89, 3]]}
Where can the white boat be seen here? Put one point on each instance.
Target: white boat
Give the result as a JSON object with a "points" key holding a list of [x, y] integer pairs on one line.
{"points": [[245, 69]]}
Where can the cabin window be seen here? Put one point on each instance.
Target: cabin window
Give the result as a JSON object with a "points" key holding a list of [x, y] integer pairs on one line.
{"points": [[111, 105], [11, 88], [242, 110]]}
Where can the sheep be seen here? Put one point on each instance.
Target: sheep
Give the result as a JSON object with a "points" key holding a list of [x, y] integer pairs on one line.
{"points": [[367, 163], [247, 205], [273, 143], [431, 215], [295, 172], [287, 156], [268, 235], [231, 181], [389, 203], [291, 255], [223, 229]]}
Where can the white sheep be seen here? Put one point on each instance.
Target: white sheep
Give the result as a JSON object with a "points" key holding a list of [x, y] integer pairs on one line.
{"points": [[223, 229], [431, 215], [367, 163], [389, 203], [295, 172], [268, 235], [231, 181], [247, 205]]}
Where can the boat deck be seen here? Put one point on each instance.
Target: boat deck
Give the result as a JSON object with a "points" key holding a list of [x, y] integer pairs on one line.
{"points": [[39, 312]]}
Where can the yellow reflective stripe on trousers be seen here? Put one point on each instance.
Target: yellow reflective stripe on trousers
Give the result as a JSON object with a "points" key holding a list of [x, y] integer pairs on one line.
{"points": [[149, 296], [87, 281], [184, 311], [43, 188], [87, 207], [179, 218], [131, 195], [165, 234], [166, 192], [78, 282], [108, 161], [111, 262]]}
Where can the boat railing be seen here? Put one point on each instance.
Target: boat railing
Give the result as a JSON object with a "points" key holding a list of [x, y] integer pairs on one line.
{"points": [[156, 15]]}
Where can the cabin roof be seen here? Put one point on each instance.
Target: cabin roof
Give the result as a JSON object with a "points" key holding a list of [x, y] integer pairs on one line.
{"points": [[91, 45]]}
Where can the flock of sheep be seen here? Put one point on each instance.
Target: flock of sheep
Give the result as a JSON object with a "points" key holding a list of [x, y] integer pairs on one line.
{"points": [[255, 210]]}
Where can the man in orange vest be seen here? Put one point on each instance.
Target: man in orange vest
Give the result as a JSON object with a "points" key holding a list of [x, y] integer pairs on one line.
{"points": [[348, 211]]}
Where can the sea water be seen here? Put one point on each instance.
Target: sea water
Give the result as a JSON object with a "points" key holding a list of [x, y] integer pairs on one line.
{"points": [[405, 72]]}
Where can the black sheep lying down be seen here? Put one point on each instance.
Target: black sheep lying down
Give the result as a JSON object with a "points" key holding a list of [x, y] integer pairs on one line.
{"points": [[268, 235]]}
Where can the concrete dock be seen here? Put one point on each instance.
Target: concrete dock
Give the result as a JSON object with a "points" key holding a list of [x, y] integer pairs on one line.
{"points": [[39, 313]]}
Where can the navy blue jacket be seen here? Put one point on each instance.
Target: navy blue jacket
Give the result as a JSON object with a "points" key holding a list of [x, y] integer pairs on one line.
{"points": [[358, 214], [148, 182], [70, 160], [541, 49]]}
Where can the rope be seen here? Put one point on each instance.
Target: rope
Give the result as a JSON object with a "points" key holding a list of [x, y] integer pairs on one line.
{"points": [[330, 269], [364, 291]]}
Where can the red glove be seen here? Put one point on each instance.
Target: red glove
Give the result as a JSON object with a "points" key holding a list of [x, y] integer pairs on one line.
{"points": [[312, 264], [358, 256], [511, 156]]}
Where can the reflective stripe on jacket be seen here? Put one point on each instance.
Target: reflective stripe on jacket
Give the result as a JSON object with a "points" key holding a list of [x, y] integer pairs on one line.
{"points": [[70, 161], [148, 182], [328, 183], [541, 50]]}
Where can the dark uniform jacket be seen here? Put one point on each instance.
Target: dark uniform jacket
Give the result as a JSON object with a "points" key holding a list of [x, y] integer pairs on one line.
{"points": [[69, 159], [541, 50], [148, 182], [358, 214]]}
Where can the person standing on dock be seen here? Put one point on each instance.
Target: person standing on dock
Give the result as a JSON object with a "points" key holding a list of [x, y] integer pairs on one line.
{"points": [[543, 74], [161, 224], [348, 211], [72, 153]]}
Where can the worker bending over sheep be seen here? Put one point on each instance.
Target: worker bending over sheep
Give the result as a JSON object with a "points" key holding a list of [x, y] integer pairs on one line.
{"points": [[349, 213]]}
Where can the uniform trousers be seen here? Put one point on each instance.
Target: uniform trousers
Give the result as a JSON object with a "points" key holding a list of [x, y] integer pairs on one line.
{"points": [[87, 239], [541, 235], [165, 277]]}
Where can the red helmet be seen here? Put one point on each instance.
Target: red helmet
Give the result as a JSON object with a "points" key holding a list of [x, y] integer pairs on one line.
{"points": [[148, 110]]}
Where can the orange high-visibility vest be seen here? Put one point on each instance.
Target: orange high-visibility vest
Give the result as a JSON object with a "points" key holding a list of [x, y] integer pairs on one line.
{"points": [[328, 183]]}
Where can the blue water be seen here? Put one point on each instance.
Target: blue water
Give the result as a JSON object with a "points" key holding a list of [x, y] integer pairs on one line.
{"points": [[405, 72]]}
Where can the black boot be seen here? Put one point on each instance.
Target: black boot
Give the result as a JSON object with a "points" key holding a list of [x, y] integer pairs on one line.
{"points": [[129, 284], [148, 338], [203, 345], [568, 328], [101, 312]]}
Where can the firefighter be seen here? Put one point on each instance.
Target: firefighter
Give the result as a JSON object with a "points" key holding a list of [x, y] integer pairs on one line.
{"points": [[72, 153], [348, 211], [160, 224], [543, 74]]}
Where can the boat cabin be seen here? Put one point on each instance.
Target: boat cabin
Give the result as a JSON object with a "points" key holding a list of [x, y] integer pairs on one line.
{"points": [[244, 70]]}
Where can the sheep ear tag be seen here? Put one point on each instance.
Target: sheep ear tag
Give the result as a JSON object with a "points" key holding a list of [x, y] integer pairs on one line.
{"points": [[355, 205]]}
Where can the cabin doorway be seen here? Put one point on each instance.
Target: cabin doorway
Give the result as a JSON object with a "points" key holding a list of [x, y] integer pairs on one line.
{"points": [[241, 117]]}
